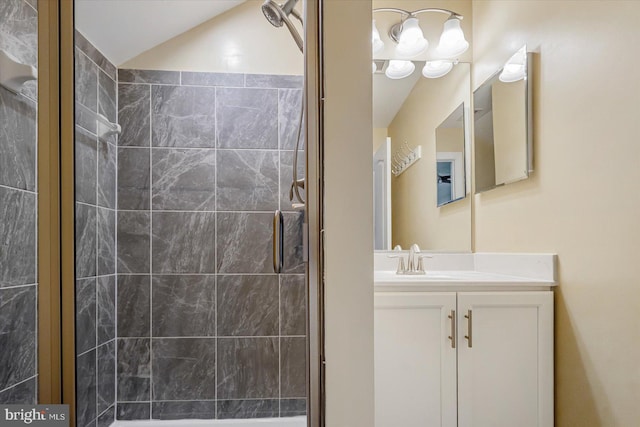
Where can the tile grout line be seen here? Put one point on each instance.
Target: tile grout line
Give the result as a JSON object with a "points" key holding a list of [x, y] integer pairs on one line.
{"points": [[151, 393]]}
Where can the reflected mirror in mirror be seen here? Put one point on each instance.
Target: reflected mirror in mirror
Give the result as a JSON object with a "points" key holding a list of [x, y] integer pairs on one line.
{"points": [[502, 125], [419, 113], [450, 169]]}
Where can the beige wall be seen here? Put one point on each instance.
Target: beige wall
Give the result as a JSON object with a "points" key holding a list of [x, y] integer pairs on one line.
{"points": [[582, 201], [416, 217], [240, 40], [379, 137], [348, 214]]}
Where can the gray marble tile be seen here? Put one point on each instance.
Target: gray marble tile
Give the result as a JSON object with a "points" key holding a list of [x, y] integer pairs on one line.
{"points": [[107, 97], [96, 56], [289, 112], [17, 237], [293, 303], [17, 336], [133, 242], [106, 376], [247, 368], [86, 382], [183, 242], [134, 411], [183, 116], [86, 158], [134, 115], [286, 178], [184, 306], [212, 79], [134, 302], [247, 118], [149, 76], [19, 31], [275, 81], [21, 394], [204, 410], [247, 305], [107, 418], [247, 180], [17, 140], [184, 368], [245, 409], [85, 314], [106, 306], [33, 3], [184, 179], [106, 174], [293, 407], [106, 241], [85, 119], [134, 369], [244, 243], [293, 245], [134, 178], [86, 223], [293, 367], [86, 73]]}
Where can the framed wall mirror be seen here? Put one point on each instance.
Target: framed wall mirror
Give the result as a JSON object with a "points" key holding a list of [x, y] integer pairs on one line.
{"points": [[502, 125]]}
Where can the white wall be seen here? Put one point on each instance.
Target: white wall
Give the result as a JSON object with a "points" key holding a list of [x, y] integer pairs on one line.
{"points": [[240, 40], [348, 214], [582, 201]]}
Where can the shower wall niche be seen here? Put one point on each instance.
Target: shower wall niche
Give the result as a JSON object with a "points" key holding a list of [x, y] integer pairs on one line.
{"points": [[205, 329]]}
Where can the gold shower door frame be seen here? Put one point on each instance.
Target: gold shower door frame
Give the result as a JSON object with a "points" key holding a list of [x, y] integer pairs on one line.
{"points": [[56, 215]]}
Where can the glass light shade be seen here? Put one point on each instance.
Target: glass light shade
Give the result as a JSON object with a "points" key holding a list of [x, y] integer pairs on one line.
{"points": [[452, 41], [436, 69], [398, 69], [411, 41], [515, 69], [373, 67], [376, 41]]}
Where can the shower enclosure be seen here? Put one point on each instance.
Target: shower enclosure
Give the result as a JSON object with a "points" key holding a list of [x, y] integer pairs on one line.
{"points": [[179, 313]]}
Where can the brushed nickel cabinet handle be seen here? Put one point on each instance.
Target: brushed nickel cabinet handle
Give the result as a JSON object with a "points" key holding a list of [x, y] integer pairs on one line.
{"points": [[452, 337], [469, 337]]}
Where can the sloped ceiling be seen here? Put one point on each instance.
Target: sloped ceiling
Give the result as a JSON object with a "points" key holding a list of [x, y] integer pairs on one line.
{"points": [[123, 29]]}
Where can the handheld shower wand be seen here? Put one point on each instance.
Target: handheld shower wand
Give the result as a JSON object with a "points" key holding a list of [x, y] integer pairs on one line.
{"points": [[279, 14]]}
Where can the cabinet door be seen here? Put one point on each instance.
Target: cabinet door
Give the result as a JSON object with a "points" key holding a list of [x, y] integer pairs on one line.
{"points": [[505, 359], [415, 360]]}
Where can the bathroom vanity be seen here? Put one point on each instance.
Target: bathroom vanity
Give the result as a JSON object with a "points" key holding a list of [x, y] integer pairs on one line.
{"points": [[470, 343]]}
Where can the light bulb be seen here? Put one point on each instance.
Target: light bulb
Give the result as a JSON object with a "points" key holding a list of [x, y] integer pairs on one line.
{"points": [[376, 41], [398, 69], [452, 42], [516, 67], [373, 67], [411, 41], [436, 69]]}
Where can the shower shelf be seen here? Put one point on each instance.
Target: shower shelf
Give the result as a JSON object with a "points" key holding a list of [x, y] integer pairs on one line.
{"points": [[104, 127], [13, 73]]}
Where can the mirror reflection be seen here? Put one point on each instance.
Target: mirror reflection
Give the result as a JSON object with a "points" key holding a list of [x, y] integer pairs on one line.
{"points": [[422, 115], [450, 169], [502, 131]]}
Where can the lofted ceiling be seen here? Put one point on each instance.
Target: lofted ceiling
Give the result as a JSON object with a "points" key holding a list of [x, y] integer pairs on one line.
{"points": [[123, 29], [389, 95]]}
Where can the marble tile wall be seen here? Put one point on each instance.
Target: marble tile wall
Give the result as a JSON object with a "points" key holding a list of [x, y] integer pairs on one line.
{"points": [[95, 162], [205, 329], [18, 215]]}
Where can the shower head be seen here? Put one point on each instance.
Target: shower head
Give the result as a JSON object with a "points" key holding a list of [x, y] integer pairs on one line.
{"points": [[279, 14]]}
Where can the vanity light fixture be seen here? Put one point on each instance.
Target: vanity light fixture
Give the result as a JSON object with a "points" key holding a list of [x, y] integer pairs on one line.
{"points": [[411, 43], [437, 69], [515, 68], [399, 69]]}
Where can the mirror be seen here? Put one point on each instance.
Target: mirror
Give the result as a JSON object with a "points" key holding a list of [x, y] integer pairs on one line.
{"points": [[425, 115], [450, 158], [502, 125]]}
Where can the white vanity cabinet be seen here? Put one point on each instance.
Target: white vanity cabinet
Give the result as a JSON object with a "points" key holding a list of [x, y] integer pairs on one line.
{"points": [[481, 359]]}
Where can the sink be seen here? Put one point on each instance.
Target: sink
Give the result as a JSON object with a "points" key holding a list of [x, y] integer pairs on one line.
{"points": [[387, 276]]}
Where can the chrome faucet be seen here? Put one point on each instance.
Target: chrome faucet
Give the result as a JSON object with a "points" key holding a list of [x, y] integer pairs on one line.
{"points": [[414, 265]]}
